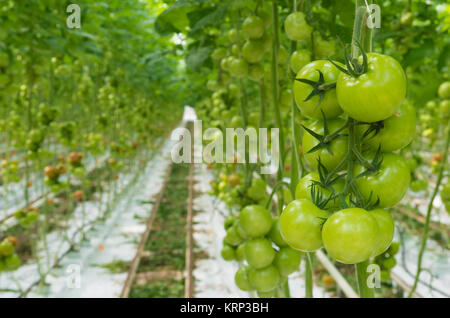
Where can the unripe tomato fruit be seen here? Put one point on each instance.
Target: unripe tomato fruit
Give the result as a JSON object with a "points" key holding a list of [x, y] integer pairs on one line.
{"points": [[253, 51], [259, 252], [386, 229], [397, 132], [303, 189], [300, 225], [351, 235], [296, 27], [255, 220], [329, 104], [275, 234], [253, 27], [228, 253], [375, 95], [444, 90], [242, 280], [287, 260], [338, 146], [299, 59], [264, 279], [389, 183]]}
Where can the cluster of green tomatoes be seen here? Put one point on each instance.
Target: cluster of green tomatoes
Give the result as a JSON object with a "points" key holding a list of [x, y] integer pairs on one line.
{"points": [[9, 260]]}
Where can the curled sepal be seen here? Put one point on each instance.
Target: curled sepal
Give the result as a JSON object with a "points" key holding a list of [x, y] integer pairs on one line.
{"points": [[319, 88]]}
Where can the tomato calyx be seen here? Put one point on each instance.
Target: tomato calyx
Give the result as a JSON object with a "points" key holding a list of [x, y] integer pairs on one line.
{"points": [[374, 128], [371, 166], [353, 67], [325, 139], [326, 181], [319, 87]]}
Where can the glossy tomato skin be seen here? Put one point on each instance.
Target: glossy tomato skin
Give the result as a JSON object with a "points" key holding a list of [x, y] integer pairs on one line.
{"points": [[351, 235], [287, 260], [264, 279], [296, 27], [397, 132], [338, 146], [242, 280], [444, 90], [386, 229], [300, 225], [299, 59], [259, 252], [303, 189], [255, 220], [253, 51], [375, 95], [389, 183], [253, 27], [329, 104], [275, 234]]}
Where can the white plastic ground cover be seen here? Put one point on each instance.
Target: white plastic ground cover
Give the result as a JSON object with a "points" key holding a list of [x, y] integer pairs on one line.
{"points": [[213, 276], [435, 265], [82, 273], [116, 239]]}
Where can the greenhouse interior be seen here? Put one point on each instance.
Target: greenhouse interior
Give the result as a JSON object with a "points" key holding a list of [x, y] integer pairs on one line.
{"points": [[207, 150]]}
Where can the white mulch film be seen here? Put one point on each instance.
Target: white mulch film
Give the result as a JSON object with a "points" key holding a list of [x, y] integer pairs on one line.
{"points": [[116, 239]]}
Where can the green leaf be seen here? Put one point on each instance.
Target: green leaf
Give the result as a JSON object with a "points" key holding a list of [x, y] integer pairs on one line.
{"points": [[197, 57], [206, 17], [174, 19]]}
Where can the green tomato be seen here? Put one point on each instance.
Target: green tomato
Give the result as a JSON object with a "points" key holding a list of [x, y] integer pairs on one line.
{"points": [[228, 253], [397, 131], [268, 294], [259, 252], [233, 36], [287, 260], [351, 235], [240, 253], [329, 104], [338, 147], [444, 108], [255, 220], [257, 190], [300, 225], [323, 48], [418, 185], [386, 229], [238, 67], [299, 59], [303, 189], [275, 234], [253, 51], [444, 90], [412, 163], [389, 184], [232, 237], [389, 263], [394, 248], [255, 72], [6, 248], [296, 27], [242, 280], [219, 53], [253, 27], [264, 279], [12, 262], [375, 95], [235, 50]]}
